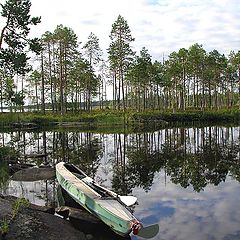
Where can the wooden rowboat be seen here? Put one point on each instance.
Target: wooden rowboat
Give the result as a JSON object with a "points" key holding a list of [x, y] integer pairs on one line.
{"points": [[96, 200]]}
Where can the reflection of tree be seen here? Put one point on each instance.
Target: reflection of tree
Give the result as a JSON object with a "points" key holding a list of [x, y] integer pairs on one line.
{"points": [[120, 182], [192, 157], [142, 165], [184, 169], [139, 170], [87, 155], [7, 155], [215, 161], [4, 174], [208, 158], [81, 149], [209, 165]]}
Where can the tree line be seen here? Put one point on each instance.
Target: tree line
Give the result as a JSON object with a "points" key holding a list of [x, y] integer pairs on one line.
{"points": [[69, 77]]}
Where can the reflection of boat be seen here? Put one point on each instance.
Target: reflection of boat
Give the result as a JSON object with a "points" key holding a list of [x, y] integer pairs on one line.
{"points": [[96, 200]]}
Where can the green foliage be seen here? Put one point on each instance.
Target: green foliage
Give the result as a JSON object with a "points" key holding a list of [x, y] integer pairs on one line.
{"points": [[19, 204], [111, 118], [4, 226], [7, 118], [43, 120], [13, 57], [120, 52], [189, 116], [4, 172], [92, 49], [120, 57], [6, 154]]}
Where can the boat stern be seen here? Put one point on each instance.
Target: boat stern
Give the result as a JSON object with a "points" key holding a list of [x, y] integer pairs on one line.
{"points": [[136, 226]]}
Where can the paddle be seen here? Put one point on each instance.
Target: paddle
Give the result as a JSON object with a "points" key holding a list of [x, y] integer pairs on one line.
{"points": [[127, 200], [148, 231]]}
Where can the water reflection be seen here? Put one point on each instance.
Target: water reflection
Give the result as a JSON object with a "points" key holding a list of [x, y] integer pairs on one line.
{"points": [[190, 157], [42, 192], [187, 179]]}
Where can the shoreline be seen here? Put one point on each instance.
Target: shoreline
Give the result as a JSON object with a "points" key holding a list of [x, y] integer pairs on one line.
{"points": [[116, 119]]}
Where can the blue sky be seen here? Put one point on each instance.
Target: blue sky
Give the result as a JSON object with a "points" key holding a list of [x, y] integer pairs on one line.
{"points": [[162, 26]]}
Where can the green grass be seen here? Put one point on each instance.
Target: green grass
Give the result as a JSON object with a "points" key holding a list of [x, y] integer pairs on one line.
{"points": [[17, 205], [190, 116], [110, 118], [4, 227]]}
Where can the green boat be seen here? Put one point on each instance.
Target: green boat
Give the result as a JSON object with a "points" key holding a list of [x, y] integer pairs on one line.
{"points": [[97, 200]]}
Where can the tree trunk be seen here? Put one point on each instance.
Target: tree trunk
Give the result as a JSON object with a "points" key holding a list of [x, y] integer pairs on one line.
{"points": [[61, 81], [3, 30], [43, 86], [239, 86], [50, 76]]}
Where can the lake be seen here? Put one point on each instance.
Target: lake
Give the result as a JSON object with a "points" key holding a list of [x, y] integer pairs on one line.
{"points": [[185, 179]]}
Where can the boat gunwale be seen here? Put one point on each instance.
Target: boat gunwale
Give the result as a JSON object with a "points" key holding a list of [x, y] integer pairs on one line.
{"points": [[75, 180], [127, 217]]}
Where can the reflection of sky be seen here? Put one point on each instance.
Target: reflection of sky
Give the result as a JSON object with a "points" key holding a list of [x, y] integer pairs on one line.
{"points": [[39, 192], [183, 214]]}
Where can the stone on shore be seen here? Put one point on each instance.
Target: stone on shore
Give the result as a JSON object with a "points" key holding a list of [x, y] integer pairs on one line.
{"points": [[36, 222], [33, 224]]}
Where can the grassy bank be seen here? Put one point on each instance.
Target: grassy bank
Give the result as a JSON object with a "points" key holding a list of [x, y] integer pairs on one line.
{"points": [[50, 119], [108, 118], [224, 115]]}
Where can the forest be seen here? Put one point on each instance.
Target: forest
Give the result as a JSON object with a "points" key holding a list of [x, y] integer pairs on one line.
{"points": [[61, 75]]}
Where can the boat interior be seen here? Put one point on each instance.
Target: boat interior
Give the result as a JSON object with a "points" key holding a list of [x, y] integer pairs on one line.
{"points": [[81, 175]]}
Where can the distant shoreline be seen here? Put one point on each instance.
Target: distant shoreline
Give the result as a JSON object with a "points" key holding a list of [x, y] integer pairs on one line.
{"points": [[111, 119]]}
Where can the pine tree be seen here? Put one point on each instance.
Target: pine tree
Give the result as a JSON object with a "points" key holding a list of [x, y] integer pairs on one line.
{"points": [[14, 41], [120, 56], [93, 53]]}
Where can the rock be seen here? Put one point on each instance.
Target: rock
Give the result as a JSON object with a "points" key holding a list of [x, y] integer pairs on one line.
{"points": [[34, 174], [17, 166], [12, 199], [88, 223], [5, 208], [76, 214], [34, 223], [89, 236], [30, 223]]}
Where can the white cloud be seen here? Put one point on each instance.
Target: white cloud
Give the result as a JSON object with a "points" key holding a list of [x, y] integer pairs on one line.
{"points": [[162, 26], [210, 214]]}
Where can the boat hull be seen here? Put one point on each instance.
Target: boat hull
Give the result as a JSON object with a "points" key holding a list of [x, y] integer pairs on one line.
{"points": [[97, 206]]}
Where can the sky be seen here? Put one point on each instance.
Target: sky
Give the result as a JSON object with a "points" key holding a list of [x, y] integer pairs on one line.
{"points": [[162, 26]]}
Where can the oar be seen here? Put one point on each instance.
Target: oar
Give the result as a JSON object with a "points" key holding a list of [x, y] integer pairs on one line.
{"points": [[148, 231], [127, 200]]}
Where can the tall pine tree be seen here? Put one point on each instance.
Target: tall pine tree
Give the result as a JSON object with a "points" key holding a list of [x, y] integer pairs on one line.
{"points": [[120, 56]]}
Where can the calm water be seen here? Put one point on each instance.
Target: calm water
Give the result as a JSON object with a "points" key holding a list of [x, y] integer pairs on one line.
{"points": [[187, 180]]}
